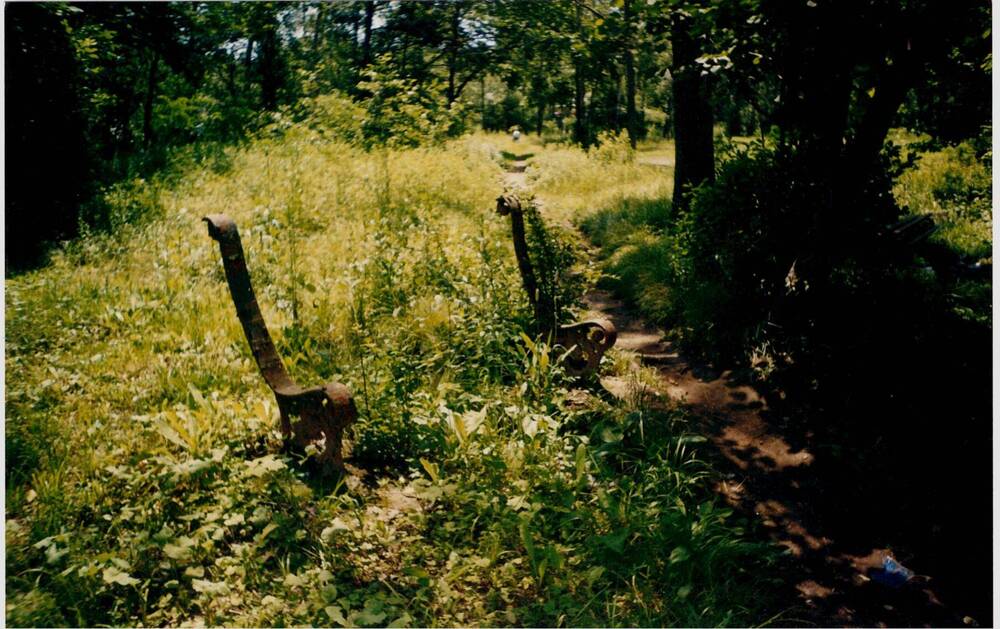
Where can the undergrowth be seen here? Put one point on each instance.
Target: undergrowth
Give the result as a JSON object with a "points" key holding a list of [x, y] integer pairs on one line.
{"points": [[953, 185], [718, 274], [146, 484], [856, 361]]}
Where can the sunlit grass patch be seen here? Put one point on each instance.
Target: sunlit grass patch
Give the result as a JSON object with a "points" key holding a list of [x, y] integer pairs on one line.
{"points": [[573, 183], [954, 187], [145, 482]]}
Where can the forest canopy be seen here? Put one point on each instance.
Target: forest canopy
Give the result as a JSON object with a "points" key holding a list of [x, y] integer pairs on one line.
{"points": [[107, 92]]}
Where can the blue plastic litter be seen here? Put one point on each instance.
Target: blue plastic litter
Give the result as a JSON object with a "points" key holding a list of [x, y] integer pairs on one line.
{"points": [[892, 573]]}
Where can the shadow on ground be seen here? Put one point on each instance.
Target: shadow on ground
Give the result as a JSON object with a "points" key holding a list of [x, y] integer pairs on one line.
{"points": [[910, 480]]}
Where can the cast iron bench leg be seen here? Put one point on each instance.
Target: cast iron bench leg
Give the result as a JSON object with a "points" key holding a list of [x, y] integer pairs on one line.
{"points": [[314, 416]]}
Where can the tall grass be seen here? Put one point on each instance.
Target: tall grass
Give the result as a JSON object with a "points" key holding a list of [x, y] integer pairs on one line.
{"points": [[575, 183], [144, 480], [953, 185]]}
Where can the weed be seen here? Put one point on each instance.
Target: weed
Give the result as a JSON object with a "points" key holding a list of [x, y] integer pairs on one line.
{"points": [[144, 480]]}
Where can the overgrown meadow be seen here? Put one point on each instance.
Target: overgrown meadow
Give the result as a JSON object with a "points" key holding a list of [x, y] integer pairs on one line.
{"points": [[146, 484]]}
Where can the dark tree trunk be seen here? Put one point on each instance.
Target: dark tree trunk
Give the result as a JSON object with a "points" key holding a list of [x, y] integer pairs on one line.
{"points": [[125, 140], [248, 57], [453, 42], [580, 135], [540, 117], [694, 153], [867, 142], [231, 77], [248, 70], [579, 111], [366, 42], [450, 93], [632, 119], [482, 101], [147, 112], [613, 99], [270, 72]]}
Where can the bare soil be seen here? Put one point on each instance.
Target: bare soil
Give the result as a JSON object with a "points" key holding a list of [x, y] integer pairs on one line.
{"points": [[819, 495], [781, 482]]}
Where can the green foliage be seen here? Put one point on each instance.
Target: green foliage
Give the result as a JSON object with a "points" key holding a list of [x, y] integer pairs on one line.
{"points": [[333, 115], [198, 118], [555, 260], [954, 186], [735, 247], [124, 204], [613, 148], [145, 483], [402, 112]]}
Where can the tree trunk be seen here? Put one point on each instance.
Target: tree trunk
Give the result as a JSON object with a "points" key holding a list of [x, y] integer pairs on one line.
{"points": [[632, 119], [613, 99], [366, 42], [579, 111], [450, 92], [248, 74], [248, 56], [147, 112], [580, 123], [231, 77], [482, 101], [694, 153], [894, 83], [453, 53], [270, 72], [540, 116]]}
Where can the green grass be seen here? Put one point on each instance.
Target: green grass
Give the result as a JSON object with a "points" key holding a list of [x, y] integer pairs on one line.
{"points": [[954, 188], [145, 483]]}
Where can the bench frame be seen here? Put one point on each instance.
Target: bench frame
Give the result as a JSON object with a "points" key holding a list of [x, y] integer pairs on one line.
{"points": [[315, 416]]}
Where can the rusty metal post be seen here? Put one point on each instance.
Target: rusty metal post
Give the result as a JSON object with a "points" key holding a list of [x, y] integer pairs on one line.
{"points": [[587, 341], [313, 416]]}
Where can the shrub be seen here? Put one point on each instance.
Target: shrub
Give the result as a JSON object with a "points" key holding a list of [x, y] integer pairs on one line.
{"points": [[613, 148], [333, 116], [735, 250], [403, 112], [953, 185]]}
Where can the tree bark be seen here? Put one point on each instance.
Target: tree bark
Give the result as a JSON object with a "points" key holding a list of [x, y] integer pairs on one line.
{"points": [[894, 83], [248, 55], [366, 42], [147, 112], [453, 52], [579, 107], [694, 152], [269, 79], [482, 101], [632, 119]]}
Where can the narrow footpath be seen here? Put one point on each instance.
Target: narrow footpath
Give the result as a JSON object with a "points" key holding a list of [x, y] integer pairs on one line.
{"points": [[777, 484], [835, 575]]}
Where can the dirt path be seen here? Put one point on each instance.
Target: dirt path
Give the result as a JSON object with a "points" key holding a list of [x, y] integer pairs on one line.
{"points": [[516, 179], [835, 570]]}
